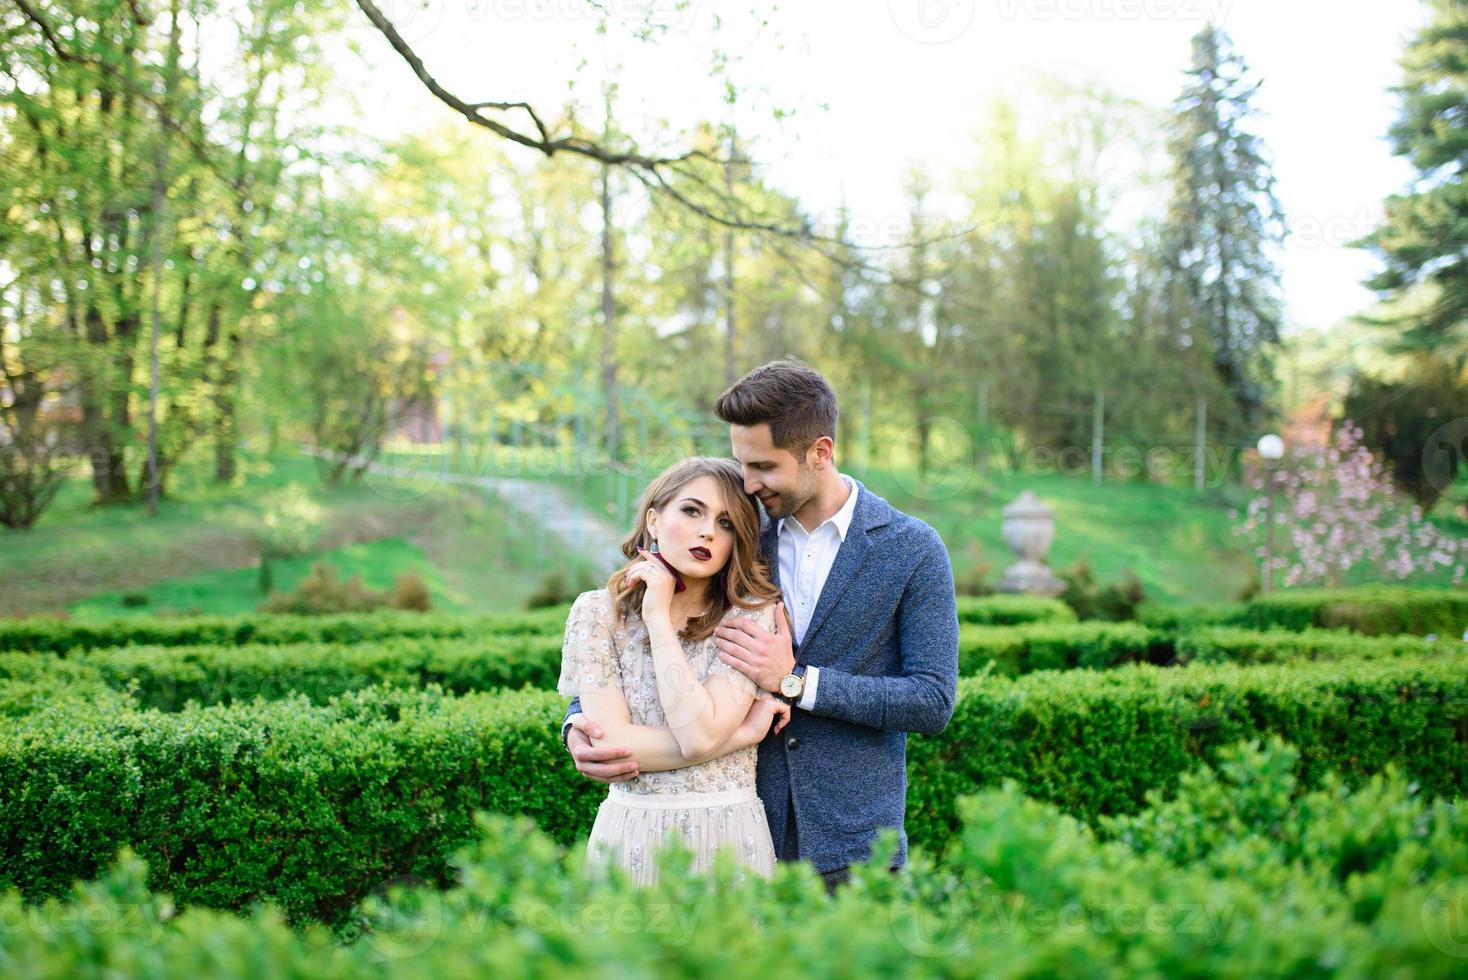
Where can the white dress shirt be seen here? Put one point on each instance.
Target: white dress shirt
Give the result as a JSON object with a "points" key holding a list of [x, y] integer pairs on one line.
{"points": [[805, 563]]}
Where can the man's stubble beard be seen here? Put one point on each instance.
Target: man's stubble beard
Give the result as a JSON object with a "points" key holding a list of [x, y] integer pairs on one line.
{"points": [[788, 504]]}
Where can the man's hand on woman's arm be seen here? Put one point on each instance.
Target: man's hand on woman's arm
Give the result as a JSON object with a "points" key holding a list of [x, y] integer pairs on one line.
{"points": [[603, 763], [653, 749]]}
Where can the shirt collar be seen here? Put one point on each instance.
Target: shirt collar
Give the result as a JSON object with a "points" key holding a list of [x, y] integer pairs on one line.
{"points": [[841, 519]]}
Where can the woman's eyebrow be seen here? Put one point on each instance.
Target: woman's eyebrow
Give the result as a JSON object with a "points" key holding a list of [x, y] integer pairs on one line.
{"points": [[704, 505]]}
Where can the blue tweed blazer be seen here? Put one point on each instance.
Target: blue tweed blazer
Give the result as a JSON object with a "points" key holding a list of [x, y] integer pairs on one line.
{"points": [[885, 637]]}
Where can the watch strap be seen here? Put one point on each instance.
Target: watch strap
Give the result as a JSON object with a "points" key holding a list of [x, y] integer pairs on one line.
{"points": [[799, 671]]}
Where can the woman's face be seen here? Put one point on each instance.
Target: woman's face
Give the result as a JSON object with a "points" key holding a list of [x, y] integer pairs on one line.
{"points": [[694, 531]]}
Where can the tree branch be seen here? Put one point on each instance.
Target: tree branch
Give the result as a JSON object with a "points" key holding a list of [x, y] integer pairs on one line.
{"points": [[652, 172], [34, 16]]}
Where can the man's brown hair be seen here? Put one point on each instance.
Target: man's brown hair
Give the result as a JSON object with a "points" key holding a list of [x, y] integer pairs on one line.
{"points": [[793, 399]]}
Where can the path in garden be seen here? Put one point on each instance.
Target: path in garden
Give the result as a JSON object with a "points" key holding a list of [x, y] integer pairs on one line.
{"points": [[544, 504]]}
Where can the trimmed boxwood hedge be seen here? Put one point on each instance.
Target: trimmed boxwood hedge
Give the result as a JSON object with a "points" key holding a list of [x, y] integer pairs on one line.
{"points": [[306, 805], [309, 805], [1094, 742], [1179, 618], [1333, 882], [167, 678], [1009, 610], [1016, 650], [43, 635], [1380, 610], [60, 636]]}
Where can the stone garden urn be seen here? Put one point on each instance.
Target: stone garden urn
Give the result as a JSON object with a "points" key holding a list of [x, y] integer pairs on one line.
{"points": [[1029, 529]]}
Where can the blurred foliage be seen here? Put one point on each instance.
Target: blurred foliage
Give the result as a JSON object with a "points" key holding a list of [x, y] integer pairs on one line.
{"points": [[321, 593]]}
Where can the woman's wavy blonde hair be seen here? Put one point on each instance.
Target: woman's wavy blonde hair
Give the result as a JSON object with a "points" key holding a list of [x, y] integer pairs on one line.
{"points": [[744, 581]]}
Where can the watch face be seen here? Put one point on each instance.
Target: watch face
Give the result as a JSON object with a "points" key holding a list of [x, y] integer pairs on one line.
{"points": [[789, 685]]}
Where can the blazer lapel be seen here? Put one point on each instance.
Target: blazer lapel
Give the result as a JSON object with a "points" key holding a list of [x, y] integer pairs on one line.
{"points": [[848, 558], [769, 547]]}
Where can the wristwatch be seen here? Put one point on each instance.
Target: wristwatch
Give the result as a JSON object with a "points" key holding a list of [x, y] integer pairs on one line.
{"points": [[792, 685]]}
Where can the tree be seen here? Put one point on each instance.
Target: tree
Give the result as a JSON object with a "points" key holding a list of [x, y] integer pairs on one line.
{"points": [[135, 177], [36, 454], [1224, 223], [1400, 418], [1423, 241], [1342, 514]]}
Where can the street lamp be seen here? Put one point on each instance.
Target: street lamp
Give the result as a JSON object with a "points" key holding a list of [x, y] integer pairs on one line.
{"points": [[1271, 449]]}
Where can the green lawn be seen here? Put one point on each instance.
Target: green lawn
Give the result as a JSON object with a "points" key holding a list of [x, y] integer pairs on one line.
{"points": [[227, 591], [1178, 542], [200, 552]]}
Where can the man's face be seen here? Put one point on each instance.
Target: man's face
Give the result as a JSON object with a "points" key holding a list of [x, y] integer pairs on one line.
{"points": [[782, 481]]}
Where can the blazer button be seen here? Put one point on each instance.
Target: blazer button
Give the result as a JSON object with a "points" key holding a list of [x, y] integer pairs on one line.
{"points": [[794, 742]]}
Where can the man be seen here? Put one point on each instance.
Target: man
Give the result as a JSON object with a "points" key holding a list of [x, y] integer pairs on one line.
{"points": [[867, 652]]}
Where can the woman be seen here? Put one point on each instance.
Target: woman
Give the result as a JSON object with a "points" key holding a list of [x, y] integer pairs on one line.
{"points": [[640, 654]]}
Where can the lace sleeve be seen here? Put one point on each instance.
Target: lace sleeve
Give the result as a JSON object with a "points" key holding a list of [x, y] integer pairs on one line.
{"points": [[588, 658], [765, 617]]}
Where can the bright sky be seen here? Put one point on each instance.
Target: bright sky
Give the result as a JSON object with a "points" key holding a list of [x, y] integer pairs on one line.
{"points": [[909, 80]]}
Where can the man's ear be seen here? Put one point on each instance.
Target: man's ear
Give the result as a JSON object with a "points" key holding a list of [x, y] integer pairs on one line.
{"points": [[825, 449]]}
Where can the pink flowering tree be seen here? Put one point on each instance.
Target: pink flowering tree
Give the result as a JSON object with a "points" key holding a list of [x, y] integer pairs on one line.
{"points": [[1336, 510]]}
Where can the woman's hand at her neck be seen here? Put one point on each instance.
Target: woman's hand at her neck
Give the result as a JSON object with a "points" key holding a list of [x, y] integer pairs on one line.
{"points": [[658, 588]]}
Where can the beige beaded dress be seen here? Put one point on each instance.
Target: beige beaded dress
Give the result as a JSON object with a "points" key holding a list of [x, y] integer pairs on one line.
{"points": [[713, 805]]}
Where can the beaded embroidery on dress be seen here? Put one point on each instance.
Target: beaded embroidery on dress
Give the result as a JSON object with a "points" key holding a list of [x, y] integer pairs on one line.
{"points": [[724, 811]]}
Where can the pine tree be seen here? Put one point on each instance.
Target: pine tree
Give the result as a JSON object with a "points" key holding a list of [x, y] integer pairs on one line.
{"points": [[1424, 237], [1224, 223]]}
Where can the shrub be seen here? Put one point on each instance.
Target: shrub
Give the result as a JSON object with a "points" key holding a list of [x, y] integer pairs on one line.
{"points": [[1027, 891], [1374, 610], [557, 589], [320, 592], [304, 805], [311, 805], [37, 634], [1249, 814], [1190, 616], [1378, 610], [1115, 601], [1008, 610], [1231, 643], [409, 591], [1015, 650], [166, 678], [1400, 418], [971, 572], [1095, 742]]}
